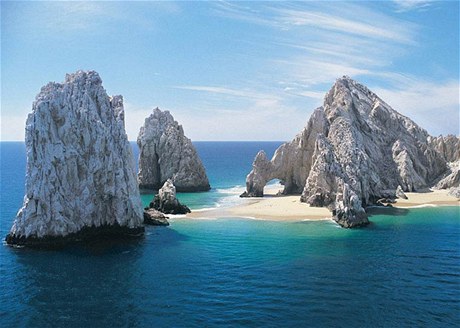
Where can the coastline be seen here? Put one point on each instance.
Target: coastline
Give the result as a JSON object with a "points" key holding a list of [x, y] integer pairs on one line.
{"points": [[273, 207], [428, 198]]}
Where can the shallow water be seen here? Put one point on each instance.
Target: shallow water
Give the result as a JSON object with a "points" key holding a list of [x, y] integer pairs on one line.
{"points": [[403, 270]]}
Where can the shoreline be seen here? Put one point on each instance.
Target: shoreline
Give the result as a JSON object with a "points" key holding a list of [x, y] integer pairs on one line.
{"points": [[273, 207]]}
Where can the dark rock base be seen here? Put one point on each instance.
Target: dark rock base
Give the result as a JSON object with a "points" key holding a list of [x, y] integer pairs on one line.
{"points": [[251, 194], [169, 207], [155, 188], [350, 219], [86, 234], [154, 217]]}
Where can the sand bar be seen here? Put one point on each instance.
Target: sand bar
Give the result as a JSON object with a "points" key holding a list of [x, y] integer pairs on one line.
{"points": [[431, 197], [270, 207], [289, 208]]}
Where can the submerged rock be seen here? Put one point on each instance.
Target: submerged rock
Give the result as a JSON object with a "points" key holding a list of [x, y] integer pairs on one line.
{"points": [[166, 201], [166, 153], [355, 140], [80, 177]]}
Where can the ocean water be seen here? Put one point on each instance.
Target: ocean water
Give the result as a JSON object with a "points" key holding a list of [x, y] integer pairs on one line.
{"points": [[401, 271]]}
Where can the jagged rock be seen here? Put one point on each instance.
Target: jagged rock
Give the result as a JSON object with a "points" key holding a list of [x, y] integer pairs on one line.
{"points": [[385, 201], [400, 193], [354, 139], [455, 192], [166, 201], [451, 178], [448, 147], [80, 175], [291, 161], [349, 212], [166, 153], [154, 217]]}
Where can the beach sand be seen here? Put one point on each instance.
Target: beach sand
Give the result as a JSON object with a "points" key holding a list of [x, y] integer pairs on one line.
{"points": [[431, 197], [270, 207], [289, 208]]}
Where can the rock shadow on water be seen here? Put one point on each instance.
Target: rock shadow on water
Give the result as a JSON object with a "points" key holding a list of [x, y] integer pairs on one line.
{"points": [[387, 210], [163, 237], [78, 286]]}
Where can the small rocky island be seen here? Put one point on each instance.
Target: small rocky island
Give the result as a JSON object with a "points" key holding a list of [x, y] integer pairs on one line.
{"points": [[355, 151], [166, 153], [165, 202], [80, 176]]}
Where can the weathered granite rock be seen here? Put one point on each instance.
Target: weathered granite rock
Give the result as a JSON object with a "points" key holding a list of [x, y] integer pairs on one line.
{"points": [[166, 201], [455, 191], [154, 217], [166, 153], [451, 178], [291, 162], [400, 193], [356, 140], [348, 211], [80, 168], [448, 147]]}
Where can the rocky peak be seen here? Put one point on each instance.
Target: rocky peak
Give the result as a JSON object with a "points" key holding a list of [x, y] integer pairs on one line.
{"points": [[166, 153], [355, 140], [80, 170]]}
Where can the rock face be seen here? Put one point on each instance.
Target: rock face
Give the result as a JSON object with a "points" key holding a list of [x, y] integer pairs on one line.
{"points": [[353, 151], [166, 201], [448, 147], [166, 153], [400, 193], [80, 167], [154, 217]]}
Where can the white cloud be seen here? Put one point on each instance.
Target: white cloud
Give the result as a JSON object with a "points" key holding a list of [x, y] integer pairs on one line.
{"points": [[228, 91], [434, 106], [408, 5]]}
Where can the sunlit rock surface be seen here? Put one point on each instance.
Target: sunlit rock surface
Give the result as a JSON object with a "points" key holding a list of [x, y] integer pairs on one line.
{"points": [[353, 151], [80, 172], [166, 153]]}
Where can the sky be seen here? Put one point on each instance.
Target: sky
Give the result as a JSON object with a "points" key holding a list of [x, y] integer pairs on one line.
{"points": [[235, 70]]}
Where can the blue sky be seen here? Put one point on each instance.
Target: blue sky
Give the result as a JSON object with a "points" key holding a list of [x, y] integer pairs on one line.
{"points": [[235, 70]]}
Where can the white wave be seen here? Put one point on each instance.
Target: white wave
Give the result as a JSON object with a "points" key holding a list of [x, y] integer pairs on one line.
{"points": [[236, 190], [421, 206]]}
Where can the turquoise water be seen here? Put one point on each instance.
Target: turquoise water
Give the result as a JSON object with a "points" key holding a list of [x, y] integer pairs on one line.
{"points": [[401, 271], [227, 164]]}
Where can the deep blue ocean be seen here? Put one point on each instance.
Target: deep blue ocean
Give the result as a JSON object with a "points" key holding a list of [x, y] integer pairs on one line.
{"points": [[401, 271]]}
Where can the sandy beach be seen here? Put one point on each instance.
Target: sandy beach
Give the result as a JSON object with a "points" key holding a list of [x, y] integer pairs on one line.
{"points": [[289, 208], [432, 197], [270, 207]]}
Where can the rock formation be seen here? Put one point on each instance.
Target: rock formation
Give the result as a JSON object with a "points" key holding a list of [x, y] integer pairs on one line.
{"points": [[154, 217], [400, 193], [166, 153], [354, 151], [166, 201], [80, 178], [448, 147]]}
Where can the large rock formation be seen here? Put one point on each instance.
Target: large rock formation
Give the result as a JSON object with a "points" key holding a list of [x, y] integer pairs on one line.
{"points": [[354, 151], [81, 178], [166, 153], [166, 201]]}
